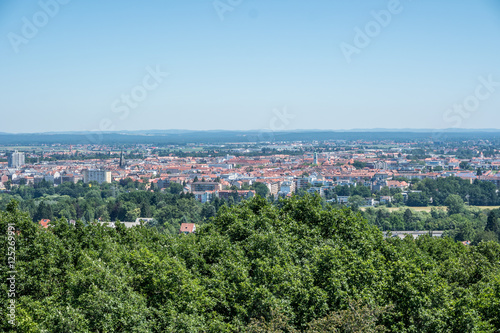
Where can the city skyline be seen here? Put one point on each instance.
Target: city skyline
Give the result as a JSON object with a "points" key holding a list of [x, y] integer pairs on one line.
{"points": [[249, 65]]}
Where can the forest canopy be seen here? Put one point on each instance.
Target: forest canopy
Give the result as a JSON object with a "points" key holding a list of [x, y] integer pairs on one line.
{"points": [[291, 266]]}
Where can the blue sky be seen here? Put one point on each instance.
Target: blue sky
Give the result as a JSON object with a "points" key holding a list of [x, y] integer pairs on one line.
{"points": [[237, 68]]}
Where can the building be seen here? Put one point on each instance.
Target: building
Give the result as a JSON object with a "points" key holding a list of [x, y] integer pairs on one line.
{"points": [[342, 199], [380, 165], [287, 187], [100, 176], [44, 223], [144, 220], [302, 182], [203, 197], [221, 165], [380, 176], [319, 190], [205, 186], [163, 183], [385, 199], [187, 228], [414, 234], [397, 184], [273, 187], [137, 223], [122, 161], [66, 178], [16, 159], [370, 202], [243, 194]]}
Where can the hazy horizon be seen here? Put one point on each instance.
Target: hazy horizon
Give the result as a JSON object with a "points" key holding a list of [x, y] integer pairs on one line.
{"points": [[264, 130], [249, 65]]}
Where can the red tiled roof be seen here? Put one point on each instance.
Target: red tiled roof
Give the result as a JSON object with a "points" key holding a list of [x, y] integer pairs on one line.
{"points": [[187, 227], [44, 223]]}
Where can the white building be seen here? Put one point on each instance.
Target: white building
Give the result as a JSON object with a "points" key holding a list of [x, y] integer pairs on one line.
{"points": [[287, 187], [16, 159], [100, 176], [342, 199]]}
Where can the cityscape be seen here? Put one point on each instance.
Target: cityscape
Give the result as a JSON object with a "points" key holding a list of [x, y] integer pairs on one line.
{"points": [[281, 169], [250, 166]]}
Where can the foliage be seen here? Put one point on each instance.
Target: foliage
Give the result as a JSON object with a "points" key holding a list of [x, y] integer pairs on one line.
{"points": [[123, 201], [293, 266], [455, 204], [479, 193], [460, 222]]}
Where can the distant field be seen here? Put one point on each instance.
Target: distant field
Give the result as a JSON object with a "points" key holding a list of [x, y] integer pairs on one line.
{"points": [[487, 207], [428, 209], [417, 209], [30, 149], [18, 147], [191, 149]]}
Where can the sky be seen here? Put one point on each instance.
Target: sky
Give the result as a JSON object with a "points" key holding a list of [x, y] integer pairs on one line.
{"points": [[73, 65]]}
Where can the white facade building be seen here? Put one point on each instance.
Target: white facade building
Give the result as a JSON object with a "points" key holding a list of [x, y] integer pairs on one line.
{"points": [[100, 176], [16, 159]]}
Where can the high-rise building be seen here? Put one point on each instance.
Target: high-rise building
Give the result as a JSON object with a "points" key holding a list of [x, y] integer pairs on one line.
{"points": [[100, 176], [302, 182], [16, 159], [315, 158]]}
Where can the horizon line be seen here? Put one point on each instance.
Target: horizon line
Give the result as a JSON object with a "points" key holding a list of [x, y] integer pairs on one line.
{"points": [[180, 131]]}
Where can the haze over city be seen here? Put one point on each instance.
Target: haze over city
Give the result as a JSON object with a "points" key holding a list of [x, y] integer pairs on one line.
{"points": [[236, 65]]}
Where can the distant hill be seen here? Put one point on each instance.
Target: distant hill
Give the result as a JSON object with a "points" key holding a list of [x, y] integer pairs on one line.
{"points": [[220, 136]]}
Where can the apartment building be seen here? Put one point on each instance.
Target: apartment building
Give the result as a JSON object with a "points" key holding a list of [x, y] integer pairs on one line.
{"points": [[100, 176], [205, 187], [15, 159]]}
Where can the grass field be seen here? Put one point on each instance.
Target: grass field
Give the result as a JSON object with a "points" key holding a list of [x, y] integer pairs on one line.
{"points": [[428, 209]]}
